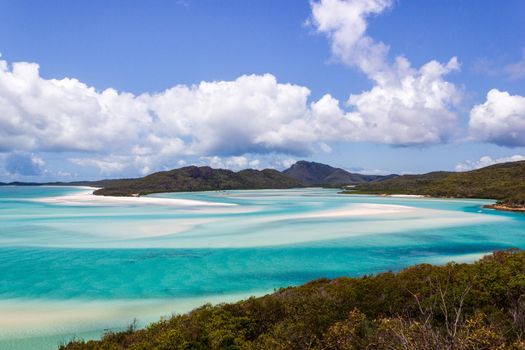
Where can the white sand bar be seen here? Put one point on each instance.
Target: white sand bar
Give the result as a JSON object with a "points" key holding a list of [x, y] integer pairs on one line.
{"points": [[88, 198], [406, 195], [364, 209]]}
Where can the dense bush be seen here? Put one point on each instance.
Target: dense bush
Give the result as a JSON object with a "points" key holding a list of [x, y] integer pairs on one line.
{"points": [[515, 201], [456, 306]]}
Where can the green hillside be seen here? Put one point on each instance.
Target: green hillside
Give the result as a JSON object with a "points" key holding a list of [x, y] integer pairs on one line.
{"points": [[312, 173], [195, 178], [457, 306], [505, 182]]}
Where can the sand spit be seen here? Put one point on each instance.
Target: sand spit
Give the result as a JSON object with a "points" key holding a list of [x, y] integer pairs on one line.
{"points": [[361, 210], [88, 198]]}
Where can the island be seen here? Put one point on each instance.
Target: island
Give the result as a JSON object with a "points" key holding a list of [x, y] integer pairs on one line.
{"points": [[504, 182], [205, 178]]}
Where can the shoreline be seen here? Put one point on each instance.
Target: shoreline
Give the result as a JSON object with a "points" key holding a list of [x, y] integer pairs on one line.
{"points": [[95, 199], [501, 207], [326, 291], [495, 206], [405, 195], [88, 197], [66, 319], [24, 319]]}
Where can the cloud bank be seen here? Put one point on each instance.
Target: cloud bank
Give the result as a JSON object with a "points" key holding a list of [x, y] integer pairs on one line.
{"points": [[252, 114], [221, 122]]}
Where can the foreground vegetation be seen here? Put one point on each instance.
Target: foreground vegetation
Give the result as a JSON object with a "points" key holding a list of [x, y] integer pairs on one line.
{"points": [[504, 182], [457, 306]]}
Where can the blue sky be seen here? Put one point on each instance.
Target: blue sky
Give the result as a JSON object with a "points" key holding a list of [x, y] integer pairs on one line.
{"points": [[145, 48]]}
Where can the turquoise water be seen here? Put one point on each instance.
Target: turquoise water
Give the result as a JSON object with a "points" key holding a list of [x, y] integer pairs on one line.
{"points": [[81, 266]]}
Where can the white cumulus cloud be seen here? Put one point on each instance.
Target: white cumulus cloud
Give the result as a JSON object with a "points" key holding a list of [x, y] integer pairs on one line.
{"points": [[117, 130], [486, 161], [499, 120], [254, 114], [345, 24], [251, 113], [406, 106], [253, 161]]}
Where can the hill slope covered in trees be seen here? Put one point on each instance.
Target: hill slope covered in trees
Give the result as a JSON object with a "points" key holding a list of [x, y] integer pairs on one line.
{"points": [[311, 173], [505, 182], [425, 307], [193, 178]]}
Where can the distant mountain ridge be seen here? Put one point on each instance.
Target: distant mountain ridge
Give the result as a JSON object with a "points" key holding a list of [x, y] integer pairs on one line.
{"points": [[312, 173], [205, 178], [194, 178]]}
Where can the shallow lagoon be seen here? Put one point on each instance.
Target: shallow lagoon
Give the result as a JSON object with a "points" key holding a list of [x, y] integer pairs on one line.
{"points": [[76, 267]]}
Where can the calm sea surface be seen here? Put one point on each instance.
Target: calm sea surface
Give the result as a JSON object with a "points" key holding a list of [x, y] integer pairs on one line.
{"points": [[78, 268]]}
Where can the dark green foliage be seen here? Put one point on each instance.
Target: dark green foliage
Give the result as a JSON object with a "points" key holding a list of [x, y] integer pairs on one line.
{"points": [[311, 173], [457, 306], [514, 201], [501, 181], [194, 178]]}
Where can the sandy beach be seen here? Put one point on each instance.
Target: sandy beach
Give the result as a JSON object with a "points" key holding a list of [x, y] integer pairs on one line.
{"points": [[29, 318], [87, 197]]}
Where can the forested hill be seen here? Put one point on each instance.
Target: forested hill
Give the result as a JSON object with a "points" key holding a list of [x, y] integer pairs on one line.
{"points": [[204, 178], [312, 173], [193, 178], [457, 306], [505, 182]]}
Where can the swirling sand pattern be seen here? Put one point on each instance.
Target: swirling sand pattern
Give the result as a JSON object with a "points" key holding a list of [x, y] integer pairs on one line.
{"points": [[75, 264]]}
